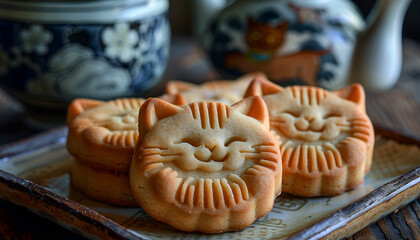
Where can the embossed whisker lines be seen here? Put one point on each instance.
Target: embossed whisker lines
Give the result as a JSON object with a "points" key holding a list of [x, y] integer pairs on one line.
{"points": [[260, 154], [157, 159], [147, 148], [345, 128], [270, 144], [255, 170], [274, 120], [122, 138], [154, 157], [212, 193], [270, 164], [278, 119], [102, 122], [156, 152], [361, 129], [268, 148], [254, 154]]}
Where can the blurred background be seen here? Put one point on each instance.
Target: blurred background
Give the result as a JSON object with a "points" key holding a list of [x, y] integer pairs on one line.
{"points": [[181, 14], [187, 62]]}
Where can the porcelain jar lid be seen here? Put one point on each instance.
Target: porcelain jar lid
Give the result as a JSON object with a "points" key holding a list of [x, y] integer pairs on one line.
{"points": [[88, 11]]}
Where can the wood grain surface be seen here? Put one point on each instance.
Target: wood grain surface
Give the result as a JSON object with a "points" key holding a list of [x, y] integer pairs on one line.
{"points": [[397, 109]]}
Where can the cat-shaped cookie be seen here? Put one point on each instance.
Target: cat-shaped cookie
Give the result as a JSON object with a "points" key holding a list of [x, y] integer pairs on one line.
{"points": [[101, 138], [206, 167], [103, 134], [326, 138]]}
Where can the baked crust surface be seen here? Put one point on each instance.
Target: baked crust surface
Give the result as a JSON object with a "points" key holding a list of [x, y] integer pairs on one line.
{"points": [[326, 138], [206, 167], [106, 186]]}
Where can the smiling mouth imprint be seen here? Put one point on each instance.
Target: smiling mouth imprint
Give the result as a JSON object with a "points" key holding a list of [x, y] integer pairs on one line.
{"points": [[211, 159]]}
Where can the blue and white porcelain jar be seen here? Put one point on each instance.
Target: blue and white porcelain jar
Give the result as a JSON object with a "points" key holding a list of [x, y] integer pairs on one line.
{"points": [[54, 51]]}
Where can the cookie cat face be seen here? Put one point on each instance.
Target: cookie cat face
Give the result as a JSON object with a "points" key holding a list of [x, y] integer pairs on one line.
{"points": [[320, 133], [103, 134], [312, 114], [308, 118], [208, 139], [206, 156]]}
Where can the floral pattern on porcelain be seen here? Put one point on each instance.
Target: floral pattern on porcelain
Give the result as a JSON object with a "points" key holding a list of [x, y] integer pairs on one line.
{"points": [[36, 39], [120, 41], [102, 61]]}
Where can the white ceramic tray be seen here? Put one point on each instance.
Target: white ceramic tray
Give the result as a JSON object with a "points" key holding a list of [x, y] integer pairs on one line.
{"points": [[35, 174]]}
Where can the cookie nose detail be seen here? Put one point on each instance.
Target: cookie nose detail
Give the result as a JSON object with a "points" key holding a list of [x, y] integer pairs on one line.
{"points": [[301, 124], [210, 153], [203, 154], [218, 154]]}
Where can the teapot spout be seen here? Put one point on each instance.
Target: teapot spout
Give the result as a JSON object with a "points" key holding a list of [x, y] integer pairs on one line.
{"points": [[377, 59]]}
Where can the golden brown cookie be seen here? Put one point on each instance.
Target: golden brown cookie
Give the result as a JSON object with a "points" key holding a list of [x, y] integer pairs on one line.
{"points": [[103, 185], [206, 167], [103, 134], [226, 91], [326, 138]]}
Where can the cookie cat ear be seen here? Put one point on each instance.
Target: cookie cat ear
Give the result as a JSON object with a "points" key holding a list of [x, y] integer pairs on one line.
{"points": [[177, 99], [254, 107], [79, 105], [152, 111], [354, 93], [261, 86], [174, 87]]}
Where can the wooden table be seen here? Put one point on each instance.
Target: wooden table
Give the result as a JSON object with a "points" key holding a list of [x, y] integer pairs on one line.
{"points": [[398, 109]]}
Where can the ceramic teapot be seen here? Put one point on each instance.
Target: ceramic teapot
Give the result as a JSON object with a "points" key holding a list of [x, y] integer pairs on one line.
{"points": [[316, 42]]}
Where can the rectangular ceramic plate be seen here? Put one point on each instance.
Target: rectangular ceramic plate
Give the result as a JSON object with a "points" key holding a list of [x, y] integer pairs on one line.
{"points": [[35, 174]]}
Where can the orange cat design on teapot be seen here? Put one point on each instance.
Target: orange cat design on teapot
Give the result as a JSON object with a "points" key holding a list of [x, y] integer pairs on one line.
{"points": [[263, 43], [267, 47]]}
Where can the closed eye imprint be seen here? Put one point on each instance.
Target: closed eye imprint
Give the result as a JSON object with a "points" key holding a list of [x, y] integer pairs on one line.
{"points": [[234, 139]]}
